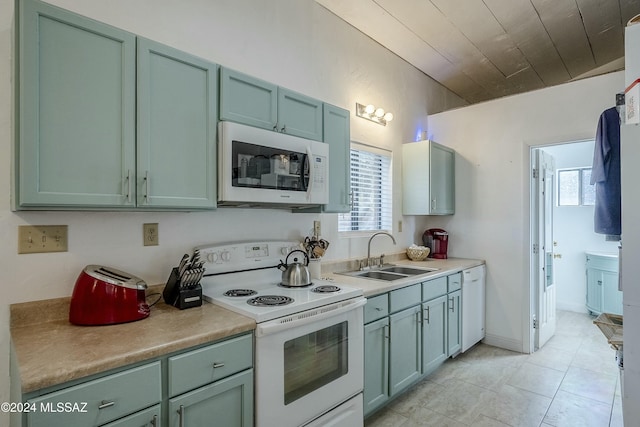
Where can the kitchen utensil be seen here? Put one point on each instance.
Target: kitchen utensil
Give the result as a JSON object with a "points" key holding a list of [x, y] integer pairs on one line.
{"points": [[104, 296], [295, 274]]}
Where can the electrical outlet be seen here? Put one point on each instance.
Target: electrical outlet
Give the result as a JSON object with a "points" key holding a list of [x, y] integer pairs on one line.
{"points": [[150, 234], [316, 228], [42, 238]]}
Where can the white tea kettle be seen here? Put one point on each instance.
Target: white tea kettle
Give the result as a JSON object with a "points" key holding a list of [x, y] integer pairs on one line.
{"points": [[296, 274]]}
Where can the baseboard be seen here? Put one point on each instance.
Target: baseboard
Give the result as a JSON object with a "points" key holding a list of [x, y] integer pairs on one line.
{"points": [[576, 308], [503, 342]]}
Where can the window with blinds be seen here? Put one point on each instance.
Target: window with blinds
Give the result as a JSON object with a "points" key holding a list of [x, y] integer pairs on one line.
{"points": [[371, 191]]}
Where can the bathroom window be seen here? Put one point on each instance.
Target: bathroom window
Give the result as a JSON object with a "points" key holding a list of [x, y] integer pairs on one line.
{"points": [[371, 191], [574, 188]]}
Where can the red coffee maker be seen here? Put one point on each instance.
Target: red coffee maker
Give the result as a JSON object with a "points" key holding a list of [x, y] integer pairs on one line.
{"points": [[437, 240]]}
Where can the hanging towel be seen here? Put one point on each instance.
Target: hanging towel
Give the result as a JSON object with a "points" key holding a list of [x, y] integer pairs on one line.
{"points": [[605, 174]]}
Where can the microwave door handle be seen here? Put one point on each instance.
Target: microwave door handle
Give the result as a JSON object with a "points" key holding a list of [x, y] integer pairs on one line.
{"points": [[310, 184]]}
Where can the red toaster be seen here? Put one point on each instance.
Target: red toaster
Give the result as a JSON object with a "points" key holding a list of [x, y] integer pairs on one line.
{"points": [[104, 296]]}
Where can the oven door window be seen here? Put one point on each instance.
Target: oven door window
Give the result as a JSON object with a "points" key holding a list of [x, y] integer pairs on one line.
{"points": [[257, 166], [314, 360]]}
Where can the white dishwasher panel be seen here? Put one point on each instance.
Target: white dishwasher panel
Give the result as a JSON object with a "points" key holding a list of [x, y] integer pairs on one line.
{"points": [[473, 306]]}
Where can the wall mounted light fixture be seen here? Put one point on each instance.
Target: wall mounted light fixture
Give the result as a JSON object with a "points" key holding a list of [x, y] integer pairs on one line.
{"points": [[374, 114]]}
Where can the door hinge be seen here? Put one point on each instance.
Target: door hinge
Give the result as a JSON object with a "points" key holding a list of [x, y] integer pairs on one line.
{"points": [[535, 322], [536, 248], [535, 173]]}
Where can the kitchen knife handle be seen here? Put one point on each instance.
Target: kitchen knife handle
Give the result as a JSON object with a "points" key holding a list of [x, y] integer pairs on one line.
{"points": [[106, 404], [181, 413]]}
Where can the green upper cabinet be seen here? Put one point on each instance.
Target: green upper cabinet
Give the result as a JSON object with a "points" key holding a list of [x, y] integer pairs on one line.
{"points": [[254, 102], [299, 115], [245, 99], [81, 144], [177, 115], [428, 179], [76, 113], [337, 135]]}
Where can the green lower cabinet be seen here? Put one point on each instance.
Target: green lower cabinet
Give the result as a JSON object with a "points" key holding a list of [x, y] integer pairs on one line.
{"points": [[225, 403], [434, 334], [454, 323], [99, 401], [405, 361], [376, 364], [147, 418]]}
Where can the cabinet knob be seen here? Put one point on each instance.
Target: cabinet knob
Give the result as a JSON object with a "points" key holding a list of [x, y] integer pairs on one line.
{"points": [[218, 365]]}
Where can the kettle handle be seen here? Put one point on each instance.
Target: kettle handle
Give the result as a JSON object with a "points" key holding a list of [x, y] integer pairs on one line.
{"points": [[306, 257]]}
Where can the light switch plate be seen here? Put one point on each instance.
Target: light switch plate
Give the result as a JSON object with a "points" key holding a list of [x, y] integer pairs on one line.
{"points": [[42, 238]]}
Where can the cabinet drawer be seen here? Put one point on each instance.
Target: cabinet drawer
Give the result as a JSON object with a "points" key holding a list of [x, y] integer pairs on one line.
{"points": [[376, 308], [454, 282], [434, 288], [146, 418], [205, 365], [602, 262], [107, 399], [405, 297]]}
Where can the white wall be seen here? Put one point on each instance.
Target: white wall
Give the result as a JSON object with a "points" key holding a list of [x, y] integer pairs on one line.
{"points": [[493, 141], [297, 44], [573, 231]]}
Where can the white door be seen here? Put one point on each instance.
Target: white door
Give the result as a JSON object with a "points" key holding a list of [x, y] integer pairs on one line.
{"points": [[544, 186]]}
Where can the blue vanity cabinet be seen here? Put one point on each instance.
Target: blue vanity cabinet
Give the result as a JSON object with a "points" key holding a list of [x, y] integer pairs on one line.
{"points": [[76, 111], [337, 135], [176, 144]]}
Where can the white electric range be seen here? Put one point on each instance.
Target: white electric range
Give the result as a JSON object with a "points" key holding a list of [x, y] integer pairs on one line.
{"points": [[309, 341]]}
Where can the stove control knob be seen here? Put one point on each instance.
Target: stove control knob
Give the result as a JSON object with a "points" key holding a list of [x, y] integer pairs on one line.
{"points": [[293, 248], [225, 255], [284, 250], [212, 257]]}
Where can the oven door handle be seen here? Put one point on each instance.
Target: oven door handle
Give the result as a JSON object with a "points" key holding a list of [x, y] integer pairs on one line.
{"points": [[307, 317]]}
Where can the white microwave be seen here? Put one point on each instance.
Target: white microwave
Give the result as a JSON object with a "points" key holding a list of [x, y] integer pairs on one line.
{"points": [[258, 167]]}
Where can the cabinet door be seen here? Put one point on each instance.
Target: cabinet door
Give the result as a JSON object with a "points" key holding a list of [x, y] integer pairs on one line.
{"points": [[454, 330], [245, 99], [434, 334], [442, 180], [611, 296], [336, 134], [228, 403], [594, 290], [147, 418], [176, 128], [299, 115], [76, 136], [376, 364], [405, 349]]}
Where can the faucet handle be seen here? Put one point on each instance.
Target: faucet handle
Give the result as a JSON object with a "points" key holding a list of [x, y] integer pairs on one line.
{"points": [[381, 261]]}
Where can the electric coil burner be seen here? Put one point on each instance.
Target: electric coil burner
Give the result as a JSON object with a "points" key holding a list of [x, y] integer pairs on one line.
{"points": [[239, 293], [269, 300], [326, 289]]}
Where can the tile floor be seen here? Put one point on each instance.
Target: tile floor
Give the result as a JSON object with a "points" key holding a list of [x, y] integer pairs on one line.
{"points": [[572, 381]]}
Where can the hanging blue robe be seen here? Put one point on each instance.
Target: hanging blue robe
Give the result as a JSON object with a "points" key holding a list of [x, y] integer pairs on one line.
{"points": [[605, 174]]}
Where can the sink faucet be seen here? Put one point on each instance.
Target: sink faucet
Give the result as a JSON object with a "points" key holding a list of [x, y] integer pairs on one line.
{"points": [[369, 245]]}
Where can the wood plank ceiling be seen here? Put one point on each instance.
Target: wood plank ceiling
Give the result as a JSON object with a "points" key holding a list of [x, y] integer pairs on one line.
{"points": [[486, 49]]}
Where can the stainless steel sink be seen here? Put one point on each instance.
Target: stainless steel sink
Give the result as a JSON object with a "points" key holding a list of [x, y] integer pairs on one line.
{"points": [[389, 272], [409, 271]]}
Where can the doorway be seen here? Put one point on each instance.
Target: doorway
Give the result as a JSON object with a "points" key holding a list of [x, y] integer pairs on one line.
{"points": [[572, 236]]}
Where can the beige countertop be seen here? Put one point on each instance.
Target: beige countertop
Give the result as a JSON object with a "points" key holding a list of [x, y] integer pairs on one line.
{"points": [[372, 287], [51, 351]]}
